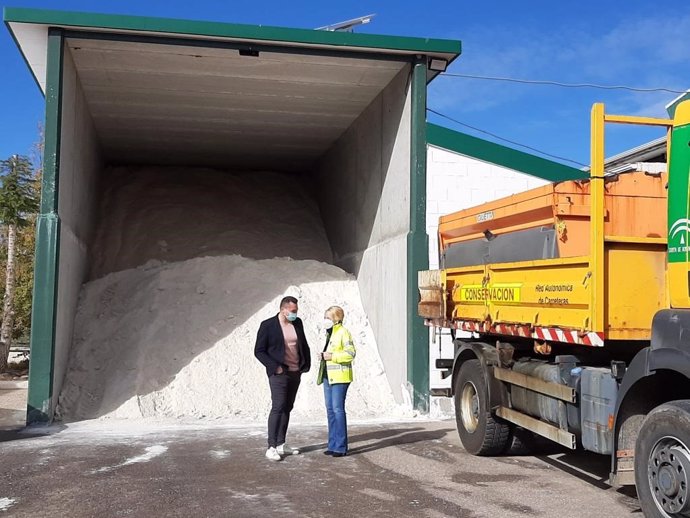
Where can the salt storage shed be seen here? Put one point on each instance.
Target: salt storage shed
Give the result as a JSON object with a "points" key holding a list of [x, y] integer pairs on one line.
{"points": [[333, 107]]}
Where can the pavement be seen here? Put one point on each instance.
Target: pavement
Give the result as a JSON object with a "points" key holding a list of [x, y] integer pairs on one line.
{"points": [[416, 468], [12, 404]]}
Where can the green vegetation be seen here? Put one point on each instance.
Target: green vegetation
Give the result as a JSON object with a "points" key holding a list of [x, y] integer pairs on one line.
{"points": [[19, 194]]}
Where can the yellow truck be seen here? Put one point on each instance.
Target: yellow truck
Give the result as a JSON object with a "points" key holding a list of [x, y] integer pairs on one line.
{"points": [[574, 304]]}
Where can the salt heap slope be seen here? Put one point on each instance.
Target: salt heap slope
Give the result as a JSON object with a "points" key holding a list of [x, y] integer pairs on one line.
{"points": [[174, 214], [187, 263], [176, 340]]}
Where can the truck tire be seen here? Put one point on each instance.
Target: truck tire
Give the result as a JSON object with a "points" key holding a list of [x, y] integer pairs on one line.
{"points": [[480, 432], [662, 461], [521, 442]]}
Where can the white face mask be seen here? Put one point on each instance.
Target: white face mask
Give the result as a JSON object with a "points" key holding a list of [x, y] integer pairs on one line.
{"points": [[327, 323]]}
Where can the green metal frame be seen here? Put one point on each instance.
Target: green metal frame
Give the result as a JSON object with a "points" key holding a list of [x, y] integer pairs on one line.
{"points": [[417, 242], [230, 30], [450, 49], [43, 316], [493, 153]]}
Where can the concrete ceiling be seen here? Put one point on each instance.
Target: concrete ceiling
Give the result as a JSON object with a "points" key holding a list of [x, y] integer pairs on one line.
{"points": [[190, 105]]}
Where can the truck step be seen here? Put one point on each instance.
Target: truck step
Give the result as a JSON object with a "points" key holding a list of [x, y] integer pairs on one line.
{"points": [[549, 431], [441, 392], [444, 363]]}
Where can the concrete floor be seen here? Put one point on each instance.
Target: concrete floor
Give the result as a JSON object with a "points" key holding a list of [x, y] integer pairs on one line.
{"points": [[398, 469], [12, 404]]}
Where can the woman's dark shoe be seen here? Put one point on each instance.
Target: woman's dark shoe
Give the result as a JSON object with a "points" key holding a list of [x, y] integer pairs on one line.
{"points": [[328, 452], [338, 454]]}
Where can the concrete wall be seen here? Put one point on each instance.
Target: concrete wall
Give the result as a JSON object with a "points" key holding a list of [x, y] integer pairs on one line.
{"points": [[364, 196], [456, 182], [80, 164]]}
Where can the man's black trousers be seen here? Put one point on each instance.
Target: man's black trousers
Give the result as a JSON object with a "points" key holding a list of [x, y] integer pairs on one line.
{"points": [[283, 392]]}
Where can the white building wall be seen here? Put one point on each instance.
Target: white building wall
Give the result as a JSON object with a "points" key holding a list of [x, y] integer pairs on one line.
{"points": [[456, 182]]}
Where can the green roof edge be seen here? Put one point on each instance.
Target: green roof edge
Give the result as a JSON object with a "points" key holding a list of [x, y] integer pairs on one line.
{"points": [[498, 154], [230, 30], [671, 107]]}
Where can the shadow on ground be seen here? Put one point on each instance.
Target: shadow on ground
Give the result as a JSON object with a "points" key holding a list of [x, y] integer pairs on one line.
{"points": [[29, 432], [385, 439]]}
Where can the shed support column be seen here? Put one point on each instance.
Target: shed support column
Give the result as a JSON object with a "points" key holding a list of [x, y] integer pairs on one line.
{"points": [[417, 241], [41, 370]]}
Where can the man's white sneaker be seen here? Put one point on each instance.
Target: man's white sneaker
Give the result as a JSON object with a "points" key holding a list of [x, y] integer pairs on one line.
{"points": [[284, 449], [272, 454]]}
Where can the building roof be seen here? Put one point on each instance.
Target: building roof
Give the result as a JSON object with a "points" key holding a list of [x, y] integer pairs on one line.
{"points": [[29, 28], [632, 159], [498, 154]]}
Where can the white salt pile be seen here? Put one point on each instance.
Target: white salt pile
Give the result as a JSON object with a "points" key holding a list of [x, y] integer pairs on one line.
{"points": [[174, 214], [177, 340], [158, 338]]}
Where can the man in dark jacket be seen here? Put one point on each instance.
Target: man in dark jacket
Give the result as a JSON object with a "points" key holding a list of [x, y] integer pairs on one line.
{"points": [[283, 349]]}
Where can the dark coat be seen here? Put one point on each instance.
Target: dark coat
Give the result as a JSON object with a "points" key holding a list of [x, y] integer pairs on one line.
{"points": [[270, 346]]}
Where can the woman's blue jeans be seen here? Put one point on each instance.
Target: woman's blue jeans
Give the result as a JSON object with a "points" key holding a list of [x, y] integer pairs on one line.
{"points": [[337, 420]]}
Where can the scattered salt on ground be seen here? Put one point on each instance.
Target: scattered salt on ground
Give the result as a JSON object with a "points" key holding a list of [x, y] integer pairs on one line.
{"points": [[6, 503], [177, 340], [151, 452], [219, 454]]}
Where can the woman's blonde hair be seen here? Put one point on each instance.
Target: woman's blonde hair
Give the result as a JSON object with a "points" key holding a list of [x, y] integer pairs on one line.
{"points": [[336, 314]]}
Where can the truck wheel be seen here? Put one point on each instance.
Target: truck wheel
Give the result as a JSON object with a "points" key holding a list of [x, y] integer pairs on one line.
{"points": [[480, 432], [522, 442], [662, 461]]}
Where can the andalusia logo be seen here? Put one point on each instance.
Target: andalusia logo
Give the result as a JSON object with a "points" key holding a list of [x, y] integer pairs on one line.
{"points": [[682, 227]]}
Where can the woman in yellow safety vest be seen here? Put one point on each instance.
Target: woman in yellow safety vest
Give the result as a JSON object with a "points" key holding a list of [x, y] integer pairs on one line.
{"points": [[335, 372]]}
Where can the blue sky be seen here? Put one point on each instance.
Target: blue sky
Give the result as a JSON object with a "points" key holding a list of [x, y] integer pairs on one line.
{"points": [[643, 44]]}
